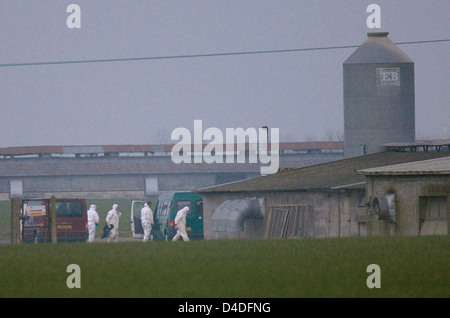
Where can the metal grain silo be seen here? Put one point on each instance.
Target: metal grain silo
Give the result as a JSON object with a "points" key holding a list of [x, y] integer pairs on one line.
{"points": [[378, 96]]}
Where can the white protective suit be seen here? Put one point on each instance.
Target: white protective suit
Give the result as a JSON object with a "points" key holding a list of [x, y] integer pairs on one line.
{"points": [[113, 219], [147, 221], [180, 225], [93, 221]]}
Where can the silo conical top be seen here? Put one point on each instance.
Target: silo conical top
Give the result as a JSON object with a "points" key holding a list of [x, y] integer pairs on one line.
{"points": [[378, 48]]}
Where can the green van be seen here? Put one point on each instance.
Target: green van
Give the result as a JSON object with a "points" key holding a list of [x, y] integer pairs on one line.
{"points": [[166, 209]]}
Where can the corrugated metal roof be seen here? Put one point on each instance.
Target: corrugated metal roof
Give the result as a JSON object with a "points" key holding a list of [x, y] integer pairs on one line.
{"points": [[425, 144], [91, 149], [327, 176], [424, 167], [15, 151]]}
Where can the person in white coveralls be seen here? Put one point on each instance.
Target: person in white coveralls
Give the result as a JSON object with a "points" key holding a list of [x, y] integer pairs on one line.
{"points": [[147, 220], [180, 225], [113, 219], [93, 221]]}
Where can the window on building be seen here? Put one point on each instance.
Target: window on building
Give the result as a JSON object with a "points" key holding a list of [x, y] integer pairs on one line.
{"points": [[433, 215]]}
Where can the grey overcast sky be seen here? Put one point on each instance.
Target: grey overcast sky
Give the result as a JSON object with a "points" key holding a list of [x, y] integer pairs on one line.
{"points": [[141, 102]]}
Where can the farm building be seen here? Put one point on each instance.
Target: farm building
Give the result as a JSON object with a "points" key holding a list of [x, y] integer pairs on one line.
{"points": [[418, 193], [131, 171], [324, 200]]}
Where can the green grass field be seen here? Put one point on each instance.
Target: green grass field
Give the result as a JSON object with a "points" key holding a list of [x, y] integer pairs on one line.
{"points": [[410, 267]]}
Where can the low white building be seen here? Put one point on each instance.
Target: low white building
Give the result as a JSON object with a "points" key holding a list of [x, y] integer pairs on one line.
{"points": [[416, 197], [324, 200]]}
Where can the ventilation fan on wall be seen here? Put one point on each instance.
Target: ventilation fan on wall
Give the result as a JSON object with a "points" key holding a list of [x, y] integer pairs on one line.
{"points": [[384, 208]]}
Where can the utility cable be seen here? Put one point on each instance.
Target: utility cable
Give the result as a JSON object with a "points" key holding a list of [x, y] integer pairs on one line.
{"points": [[133, 59]]}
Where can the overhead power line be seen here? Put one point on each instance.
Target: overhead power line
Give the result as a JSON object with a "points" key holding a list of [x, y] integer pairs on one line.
{"points": [[167, 57]]}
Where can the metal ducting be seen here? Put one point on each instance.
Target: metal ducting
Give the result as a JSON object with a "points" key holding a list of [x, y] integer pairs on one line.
{"points": [[231, 215]]}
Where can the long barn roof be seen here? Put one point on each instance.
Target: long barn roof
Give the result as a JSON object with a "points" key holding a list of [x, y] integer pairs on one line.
{"points": [[327, 176], [167, 148]]}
